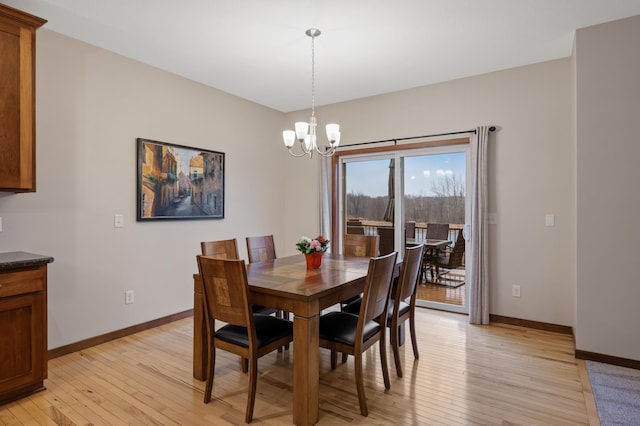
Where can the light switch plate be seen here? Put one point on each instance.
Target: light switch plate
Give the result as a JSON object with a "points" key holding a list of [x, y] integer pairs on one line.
{"points": [[118, 221], [550, 220]]}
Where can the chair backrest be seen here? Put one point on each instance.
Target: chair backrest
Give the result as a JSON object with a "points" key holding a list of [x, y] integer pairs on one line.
{"points": [[223, 249], [226, 293], [386, 240], [410, 229], [457, 253], [360, 245], [411, 264], [261, 249], [375, 297], [438, 231], [355, 229]]}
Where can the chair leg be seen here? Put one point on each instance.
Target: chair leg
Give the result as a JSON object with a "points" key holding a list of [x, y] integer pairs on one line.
{"points": [[211, 367], [253, 381], [395, 345], [414, 341], [334, 359], [344, 357], [360, 385], [383, 359], [244, 365]]}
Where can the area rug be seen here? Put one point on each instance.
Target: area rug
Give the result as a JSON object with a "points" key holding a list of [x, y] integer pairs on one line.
{"points": [[617, 393]]}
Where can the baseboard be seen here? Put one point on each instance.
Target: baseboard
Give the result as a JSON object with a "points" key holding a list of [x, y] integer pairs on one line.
{"points": [[564, 329], [93, 341], [607, 359]]}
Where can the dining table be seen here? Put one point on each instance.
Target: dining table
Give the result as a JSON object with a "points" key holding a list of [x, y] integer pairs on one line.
{"points": [[286, 284]]}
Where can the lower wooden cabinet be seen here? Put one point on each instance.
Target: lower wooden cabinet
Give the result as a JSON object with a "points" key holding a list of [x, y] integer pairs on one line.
{"points": [[23, 331]]}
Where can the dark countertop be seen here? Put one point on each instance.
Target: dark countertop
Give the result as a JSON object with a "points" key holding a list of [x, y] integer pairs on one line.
{"points": [[21, 259]]}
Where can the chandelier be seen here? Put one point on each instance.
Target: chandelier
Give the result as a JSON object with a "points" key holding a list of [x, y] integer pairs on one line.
{"points": [[305, 133]]}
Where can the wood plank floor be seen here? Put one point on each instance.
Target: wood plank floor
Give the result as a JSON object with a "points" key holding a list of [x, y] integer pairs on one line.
{"points": [[467, 375]]}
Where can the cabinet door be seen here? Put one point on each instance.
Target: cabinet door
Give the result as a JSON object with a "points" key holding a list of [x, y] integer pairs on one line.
{"points": [[22, 363], [17, 99]]}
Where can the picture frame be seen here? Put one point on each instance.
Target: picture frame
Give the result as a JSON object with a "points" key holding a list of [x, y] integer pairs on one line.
{"points": [[178, 182]]}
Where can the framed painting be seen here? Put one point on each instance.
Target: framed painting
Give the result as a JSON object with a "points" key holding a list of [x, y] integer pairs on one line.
{"points": [[179, 182]]}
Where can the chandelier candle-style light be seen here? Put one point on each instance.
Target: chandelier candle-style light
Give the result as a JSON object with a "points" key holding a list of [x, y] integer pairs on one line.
{"points": [[304, 132]]}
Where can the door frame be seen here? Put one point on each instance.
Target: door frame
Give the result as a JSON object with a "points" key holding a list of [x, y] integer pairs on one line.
{"points": [[398, 151]]}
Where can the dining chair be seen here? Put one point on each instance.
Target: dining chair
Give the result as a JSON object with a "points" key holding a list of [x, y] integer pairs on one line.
{"points": [[410, 229], [360, 245], [386, 239], [221, 249], [228, 249], [435, 231], [399, 309], [354, 334], [249, 335], [261, 249], [453, 260]]}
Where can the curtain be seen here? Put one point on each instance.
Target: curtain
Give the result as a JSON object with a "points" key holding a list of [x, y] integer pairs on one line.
{"points": [[478, 279], [325, 197]]}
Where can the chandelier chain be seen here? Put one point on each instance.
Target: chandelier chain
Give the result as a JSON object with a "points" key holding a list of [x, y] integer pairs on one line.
{"points": [[313, 75]]}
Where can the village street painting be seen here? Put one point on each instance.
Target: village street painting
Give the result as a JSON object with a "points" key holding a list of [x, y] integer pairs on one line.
{"points": [[179, 182]]}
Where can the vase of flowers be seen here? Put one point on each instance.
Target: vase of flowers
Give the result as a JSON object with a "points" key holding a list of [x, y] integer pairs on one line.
{"points": [[313, 249]]}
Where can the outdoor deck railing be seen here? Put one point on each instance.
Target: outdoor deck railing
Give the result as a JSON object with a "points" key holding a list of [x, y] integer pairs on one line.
{"points": [[371, 228]]}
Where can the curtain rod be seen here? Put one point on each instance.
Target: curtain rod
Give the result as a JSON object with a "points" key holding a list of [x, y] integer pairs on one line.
{"points": [[395, 140]]}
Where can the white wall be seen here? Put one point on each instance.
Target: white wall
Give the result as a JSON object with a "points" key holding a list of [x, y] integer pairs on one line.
{"points": [[531, 157], [608, 116], [91, 106]]}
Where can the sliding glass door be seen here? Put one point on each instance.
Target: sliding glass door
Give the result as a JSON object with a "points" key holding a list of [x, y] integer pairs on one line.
{"points": [[397, 195]]}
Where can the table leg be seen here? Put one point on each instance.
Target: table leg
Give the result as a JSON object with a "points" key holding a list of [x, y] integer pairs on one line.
{"points": [[306, 376]]}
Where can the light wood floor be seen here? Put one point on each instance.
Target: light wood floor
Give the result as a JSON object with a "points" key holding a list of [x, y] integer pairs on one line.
{"points": [[466, 375]]}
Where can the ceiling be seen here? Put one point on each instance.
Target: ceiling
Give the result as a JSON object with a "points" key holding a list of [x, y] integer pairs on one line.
{"points": [[258, 50]]}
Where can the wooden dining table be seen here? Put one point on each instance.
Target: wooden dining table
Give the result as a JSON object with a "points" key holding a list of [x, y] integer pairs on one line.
{"points": [[287, 284]]}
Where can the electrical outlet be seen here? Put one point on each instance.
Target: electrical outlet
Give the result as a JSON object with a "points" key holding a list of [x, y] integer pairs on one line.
{"points": [[515, 290], [128, 297]]}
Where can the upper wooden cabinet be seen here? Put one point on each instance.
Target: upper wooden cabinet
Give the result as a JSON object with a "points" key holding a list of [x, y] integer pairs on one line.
{"points": [[17, 100]]}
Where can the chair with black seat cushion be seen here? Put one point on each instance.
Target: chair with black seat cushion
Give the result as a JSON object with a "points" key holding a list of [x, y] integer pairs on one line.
{"points": [[399, 310], [360, 245], [220, 249], [249, 335], [354, 334], [261, 249], [228, 249]]}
